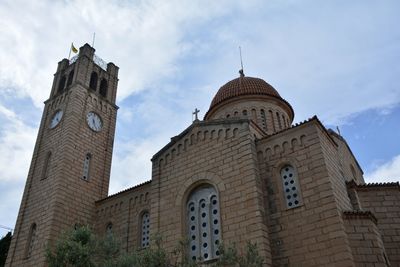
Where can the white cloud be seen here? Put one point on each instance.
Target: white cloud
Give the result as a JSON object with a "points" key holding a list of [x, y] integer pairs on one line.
{"points": [[16, 145], [386, 172], [144, 38], [326, 59]]}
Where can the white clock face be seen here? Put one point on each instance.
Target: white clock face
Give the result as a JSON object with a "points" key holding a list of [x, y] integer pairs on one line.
{"points": [[94, 121], [55, 120]]}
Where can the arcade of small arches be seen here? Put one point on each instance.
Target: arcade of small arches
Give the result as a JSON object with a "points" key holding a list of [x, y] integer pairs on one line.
{"points": [[268, 119]]}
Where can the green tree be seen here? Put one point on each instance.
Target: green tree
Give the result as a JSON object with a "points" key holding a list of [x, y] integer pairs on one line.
{"points": [[4, 246], [82, 248], [231, 258]]}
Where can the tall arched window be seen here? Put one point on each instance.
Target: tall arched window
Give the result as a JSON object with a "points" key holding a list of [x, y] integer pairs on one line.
{"points": [[31, 240], [145, 230], [93, 81], [86, 166], [109, 229], [103, 87], [279, 121], [204, 224], [254, 115], [291, 187], [46, 165], [284, 121], [271, 117], [61, 84], [70, 77], [264, 120]]}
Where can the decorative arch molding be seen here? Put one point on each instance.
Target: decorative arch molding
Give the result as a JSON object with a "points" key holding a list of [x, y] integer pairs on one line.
{"points": [[195, 181], [288, 160]]}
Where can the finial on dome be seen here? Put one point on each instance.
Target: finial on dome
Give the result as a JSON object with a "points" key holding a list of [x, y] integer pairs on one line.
{"points": [[241, 71]]}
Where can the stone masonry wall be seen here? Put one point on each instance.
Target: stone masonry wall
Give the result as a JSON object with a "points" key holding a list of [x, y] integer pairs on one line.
{"points": [[220, 154], [312, 234], [365, 239], [349, 167], [123, 211], [383, 200]]}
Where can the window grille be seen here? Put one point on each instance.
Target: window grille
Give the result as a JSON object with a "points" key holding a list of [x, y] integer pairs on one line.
{"points": [[145, 241], [86, 167], [290, 187], [264, 120], [204, 224]]}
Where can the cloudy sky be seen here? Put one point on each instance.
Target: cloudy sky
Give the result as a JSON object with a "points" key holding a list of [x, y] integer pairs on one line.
{"points": [[338, 60]]}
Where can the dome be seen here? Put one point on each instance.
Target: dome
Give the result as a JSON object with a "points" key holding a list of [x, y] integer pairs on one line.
{"points": [[246, 86], [243, 86]]}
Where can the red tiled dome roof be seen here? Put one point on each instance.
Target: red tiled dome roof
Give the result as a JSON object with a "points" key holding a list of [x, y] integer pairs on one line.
{"points": [[246, 86], [243, 86]]}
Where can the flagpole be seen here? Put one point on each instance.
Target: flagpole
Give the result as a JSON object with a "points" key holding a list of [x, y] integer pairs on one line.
{"points": [[94, 36], [70, 48]]}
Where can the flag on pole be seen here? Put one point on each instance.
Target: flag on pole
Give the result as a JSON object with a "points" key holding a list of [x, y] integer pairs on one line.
{"points": [[73, 48]]}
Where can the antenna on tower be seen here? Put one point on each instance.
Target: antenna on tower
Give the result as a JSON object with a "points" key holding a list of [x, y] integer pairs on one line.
{"points": [[241, 71]]}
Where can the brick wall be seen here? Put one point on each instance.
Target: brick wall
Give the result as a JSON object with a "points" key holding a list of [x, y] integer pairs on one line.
{"points": [[221, 154], [124, 211], [365, 239], [312, 234], [383, 200]]}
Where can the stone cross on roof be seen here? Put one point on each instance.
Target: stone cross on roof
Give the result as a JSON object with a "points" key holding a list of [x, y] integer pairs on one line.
{"points": [[195, 112]]}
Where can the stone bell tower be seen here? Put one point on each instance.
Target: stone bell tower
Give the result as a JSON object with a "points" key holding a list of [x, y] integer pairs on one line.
{"points": [[70, 167]]}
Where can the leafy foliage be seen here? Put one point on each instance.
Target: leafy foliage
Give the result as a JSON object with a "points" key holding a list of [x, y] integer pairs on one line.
{"points": [[230, 257], [81, 248], [4, 246]]}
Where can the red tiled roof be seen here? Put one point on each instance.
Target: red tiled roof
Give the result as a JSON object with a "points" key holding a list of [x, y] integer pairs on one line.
{"points": [[243, 86]]}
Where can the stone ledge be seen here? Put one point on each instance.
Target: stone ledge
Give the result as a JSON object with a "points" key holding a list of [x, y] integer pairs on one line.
{"points": [[358, 214], [352, 184], [123, 191]]}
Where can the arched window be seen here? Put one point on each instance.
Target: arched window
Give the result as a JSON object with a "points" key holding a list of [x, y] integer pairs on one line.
{"points": [[109, 229], [204, 224], [264, 120], [70, 77], [279, 121], [290, 187], [145, 236], [103, 87], [61, 84], [93, 81], [284, 121], [271, 117], [31, 241], [254, 115], [46, 165], [86, 166], [244, 112]]}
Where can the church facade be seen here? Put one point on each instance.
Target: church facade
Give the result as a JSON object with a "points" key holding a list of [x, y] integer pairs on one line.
{"points": [[245, 173]]}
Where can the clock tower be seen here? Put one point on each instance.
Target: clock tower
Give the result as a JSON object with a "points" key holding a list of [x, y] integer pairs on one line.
{"points": [[70, 167]]}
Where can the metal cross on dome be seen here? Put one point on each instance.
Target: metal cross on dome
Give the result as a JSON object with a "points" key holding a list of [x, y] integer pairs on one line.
{"points": [[195, 112]]}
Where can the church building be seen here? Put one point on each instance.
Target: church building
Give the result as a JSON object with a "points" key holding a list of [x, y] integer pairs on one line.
{"points": [[245, 173]]}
